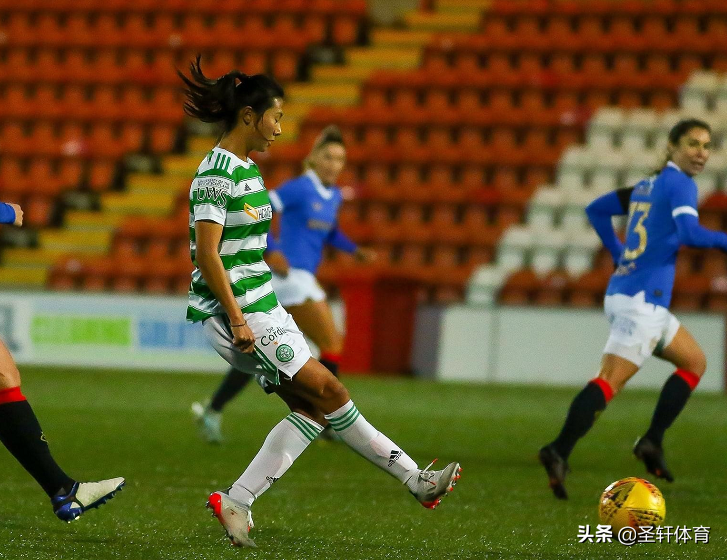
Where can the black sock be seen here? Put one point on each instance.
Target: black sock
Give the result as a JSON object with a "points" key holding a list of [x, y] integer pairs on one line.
{"points": [[20, 433], [331, 366], [674, 395], [583, 412], [234, 382]]}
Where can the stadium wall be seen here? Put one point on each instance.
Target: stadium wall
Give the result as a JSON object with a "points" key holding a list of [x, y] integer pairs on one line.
{"points": [[108, 331], [454, 343], [104, 330], [541, 346]]}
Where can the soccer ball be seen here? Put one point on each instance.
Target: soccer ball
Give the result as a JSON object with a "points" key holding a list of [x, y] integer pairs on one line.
{"points": [[631, 502]]}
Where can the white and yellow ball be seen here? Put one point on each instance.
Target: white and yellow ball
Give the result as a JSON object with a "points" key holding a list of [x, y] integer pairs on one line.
{"points": [[631, 502]]}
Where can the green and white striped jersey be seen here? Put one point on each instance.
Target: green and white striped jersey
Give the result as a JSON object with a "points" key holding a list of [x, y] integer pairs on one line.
{"points": [[231, 192]]}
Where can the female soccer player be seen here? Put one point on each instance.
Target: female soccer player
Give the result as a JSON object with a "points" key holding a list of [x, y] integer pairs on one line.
{"points": [[309, 208], [663, 216], [21, 434], [232, 294]]}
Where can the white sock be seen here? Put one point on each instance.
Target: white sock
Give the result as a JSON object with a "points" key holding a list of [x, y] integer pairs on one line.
{"points": [[366, 440], [284, 444]]}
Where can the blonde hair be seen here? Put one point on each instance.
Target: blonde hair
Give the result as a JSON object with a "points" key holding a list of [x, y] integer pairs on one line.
{"points": [[329, 135]]}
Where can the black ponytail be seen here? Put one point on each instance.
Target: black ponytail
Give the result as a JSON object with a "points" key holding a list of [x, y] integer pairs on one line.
{"points": [[220, 100]]}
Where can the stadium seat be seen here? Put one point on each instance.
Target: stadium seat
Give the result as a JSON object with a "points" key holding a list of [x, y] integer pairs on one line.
{"points": [[548, 246], [514, 248], [544, 208]]}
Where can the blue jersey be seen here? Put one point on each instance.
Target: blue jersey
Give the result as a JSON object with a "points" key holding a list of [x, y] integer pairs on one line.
{"points": [[309, 220], [648, 258]]}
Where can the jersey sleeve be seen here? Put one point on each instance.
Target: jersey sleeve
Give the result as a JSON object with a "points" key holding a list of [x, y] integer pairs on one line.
{"points": [[683, 197], [336, 238], [599, 213], [209, 196], [288, 195], [7, 214]]}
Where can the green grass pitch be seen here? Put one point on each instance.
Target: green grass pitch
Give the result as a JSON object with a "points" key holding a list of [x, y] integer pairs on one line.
{"points": [[332, 504]]}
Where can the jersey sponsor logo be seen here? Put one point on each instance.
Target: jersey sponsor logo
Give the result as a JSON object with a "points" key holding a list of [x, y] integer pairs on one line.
{"points": [[258, 214], [284, 353], [251, 211], [319, 225], [645, 187], [212, 190], [394, 457]]}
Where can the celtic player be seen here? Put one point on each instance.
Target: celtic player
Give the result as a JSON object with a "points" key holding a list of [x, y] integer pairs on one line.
{"points": [[232, 295]]}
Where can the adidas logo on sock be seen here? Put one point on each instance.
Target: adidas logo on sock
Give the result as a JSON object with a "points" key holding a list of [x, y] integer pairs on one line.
{"points": [[394, 457], [271, 479]]}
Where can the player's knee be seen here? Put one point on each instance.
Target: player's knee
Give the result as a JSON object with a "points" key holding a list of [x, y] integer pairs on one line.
{"points": [[332, 343], [9, 378], [333, 391], [698, 363]]}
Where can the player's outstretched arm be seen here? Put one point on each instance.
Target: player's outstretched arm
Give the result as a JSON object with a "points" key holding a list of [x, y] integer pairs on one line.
{"points": [[684, 202], [11, 214], [600, 212], [692, 234]]}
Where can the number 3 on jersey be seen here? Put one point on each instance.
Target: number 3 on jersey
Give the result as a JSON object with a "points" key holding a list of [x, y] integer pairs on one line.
{"points": [[639, 229]]}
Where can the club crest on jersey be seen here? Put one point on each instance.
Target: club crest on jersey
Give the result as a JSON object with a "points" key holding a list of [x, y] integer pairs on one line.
{"points": [[212, 190]]}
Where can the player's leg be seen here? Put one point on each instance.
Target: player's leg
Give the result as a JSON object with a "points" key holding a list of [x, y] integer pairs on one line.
{"points": [[282, 446], [22, 435], [234, 382], [318, 386], [628, 346], [315, 319], [209, 417], [584, 409], [615, 371], [685, 353]]}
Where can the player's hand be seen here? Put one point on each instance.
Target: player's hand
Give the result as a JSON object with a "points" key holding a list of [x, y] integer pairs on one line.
{"points": [[278, 263], [18, 214], [365, 254], [243, 338]]}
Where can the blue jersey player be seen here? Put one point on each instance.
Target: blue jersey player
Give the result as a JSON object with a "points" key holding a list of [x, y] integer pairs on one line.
{"points": [[662, 216], [23, 437], [308, 207]]}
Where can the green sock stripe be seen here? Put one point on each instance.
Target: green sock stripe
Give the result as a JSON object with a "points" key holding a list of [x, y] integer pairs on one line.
{"points": [[306, 435], [344, 418], [303, 427], [349, 423]]}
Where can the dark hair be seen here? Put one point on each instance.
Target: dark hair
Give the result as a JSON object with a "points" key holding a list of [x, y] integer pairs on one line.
{"points": [[680, 129], [220, 100]]}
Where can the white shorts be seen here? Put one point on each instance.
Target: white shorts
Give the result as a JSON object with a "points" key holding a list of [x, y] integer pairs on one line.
{"points": [[638, 328], [279, 344], [297, 287]]}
